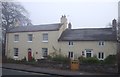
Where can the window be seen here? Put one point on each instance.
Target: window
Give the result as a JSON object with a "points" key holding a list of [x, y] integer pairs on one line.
{"points": [[70, 42], [70, 54], [16, 52], [30, 37], [44, 52], [101, 55], [101, 43], [45, 37], [83, 54], [16, 37], [89, 53]]}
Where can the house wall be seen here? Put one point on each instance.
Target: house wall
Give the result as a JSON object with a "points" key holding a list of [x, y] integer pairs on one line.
{"points": [[36, 45], [79, 46]]}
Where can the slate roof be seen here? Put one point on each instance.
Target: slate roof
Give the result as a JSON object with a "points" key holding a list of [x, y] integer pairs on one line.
{"points": [[35, 28], [90, 34]]}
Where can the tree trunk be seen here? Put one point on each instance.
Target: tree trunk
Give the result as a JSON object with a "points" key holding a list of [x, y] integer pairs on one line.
{"points": [[4, 47]]}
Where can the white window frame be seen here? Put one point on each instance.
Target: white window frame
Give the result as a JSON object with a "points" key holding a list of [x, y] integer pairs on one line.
{"points": [[28, 37], [43, 37], [43, 52], [70, 43], [101, 56], [83, 53], [101, 43], [15, 52], [15, 39], [87, 52], [70, 55]]}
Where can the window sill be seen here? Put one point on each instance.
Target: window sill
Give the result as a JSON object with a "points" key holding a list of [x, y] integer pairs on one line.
{"points": [[100, 59], [45, 41], [29, 41], [16, 41], [15, 57]]}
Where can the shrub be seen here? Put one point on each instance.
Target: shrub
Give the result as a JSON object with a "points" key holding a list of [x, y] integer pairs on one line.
{"points": [[61, 59], [49, 57], [90, 60], [111, 59], [33, 59], [24, 59]]}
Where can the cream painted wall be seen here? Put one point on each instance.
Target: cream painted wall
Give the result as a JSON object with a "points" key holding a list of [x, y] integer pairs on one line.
{"points": [[79, 46], [36, 45]]}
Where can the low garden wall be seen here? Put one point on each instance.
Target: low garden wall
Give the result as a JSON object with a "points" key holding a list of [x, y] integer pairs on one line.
{"points": [[99, 68]]}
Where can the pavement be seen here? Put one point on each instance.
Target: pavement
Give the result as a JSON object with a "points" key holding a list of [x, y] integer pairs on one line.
{"points": [[58, 72]]}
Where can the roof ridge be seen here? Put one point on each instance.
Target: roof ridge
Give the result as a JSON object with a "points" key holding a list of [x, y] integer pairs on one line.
{"points": [[89, 28], [47, 24]]}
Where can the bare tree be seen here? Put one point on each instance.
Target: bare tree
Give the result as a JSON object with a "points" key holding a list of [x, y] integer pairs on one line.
{"points": [[12, 13], [118, 47]]}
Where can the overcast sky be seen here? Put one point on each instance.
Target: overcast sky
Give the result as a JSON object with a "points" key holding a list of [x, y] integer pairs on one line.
{"points": [[81, 13]]}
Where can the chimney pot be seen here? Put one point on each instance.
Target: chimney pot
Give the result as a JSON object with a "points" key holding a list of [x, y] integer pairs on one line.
{"points": [[114, 24], [69, 26]]}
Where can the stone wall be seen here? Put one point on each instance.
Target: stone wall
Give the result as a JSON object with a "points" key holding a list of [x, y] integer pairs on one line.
{"points": [[99, 68]]}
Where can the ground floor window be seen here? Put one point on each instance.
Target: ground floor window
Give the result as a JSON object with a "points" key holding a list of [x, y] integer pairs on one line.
{"points": [[70, 54], [101, 55], [44, 52], [16, 52], [88, 53]]}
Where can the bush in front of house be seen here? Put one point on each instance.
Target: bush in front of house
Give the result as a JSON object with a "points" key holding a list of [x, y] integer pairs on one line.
{"points": [[89, 60], [111, 59], [61, 59]]}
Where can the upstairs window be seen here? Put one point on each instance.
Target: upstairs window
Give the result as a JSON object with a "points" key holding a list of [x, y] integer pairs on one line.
{"points": [[70, 42], [16, 38], [30, 37], [45, 37], [101, 43]]}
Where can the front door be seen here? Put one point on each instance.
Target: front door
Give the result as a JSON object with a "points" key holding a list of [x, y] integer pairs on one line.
{"points": [[29, 54]]}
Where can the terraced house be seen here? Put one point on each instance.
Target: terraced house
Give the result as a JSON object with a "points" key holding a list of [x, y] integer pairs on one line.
{"points": [[39, 41]]}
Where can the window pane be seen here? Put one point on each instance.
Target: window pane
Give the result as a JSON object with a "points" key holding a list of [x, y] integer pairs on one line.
{"points": [[99, 55], [45, 52], [70, 42], [29, 37], [88, 55], [15, 51], [70, 54], [102, 55], [45, 37], [16, 38]]}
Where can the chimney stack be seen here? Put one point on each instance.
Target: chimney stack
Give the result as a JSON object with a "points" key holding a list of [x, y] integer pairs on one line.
{"points": [[69, 26], [63, 19], [114, 24]]}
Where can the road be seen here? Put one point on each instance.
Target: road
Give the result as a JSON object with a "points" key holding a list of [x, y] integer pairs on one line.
{"points": [[17, 72]]}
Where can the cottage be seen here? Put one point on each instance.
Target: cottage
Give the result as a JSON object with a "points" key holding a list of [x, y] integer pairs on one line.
{"points": [[39, 41]]}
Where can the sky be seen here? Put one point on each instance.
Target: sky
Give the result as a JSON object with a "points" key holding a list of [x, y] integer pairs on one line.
{"points": [[81, 13]]}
